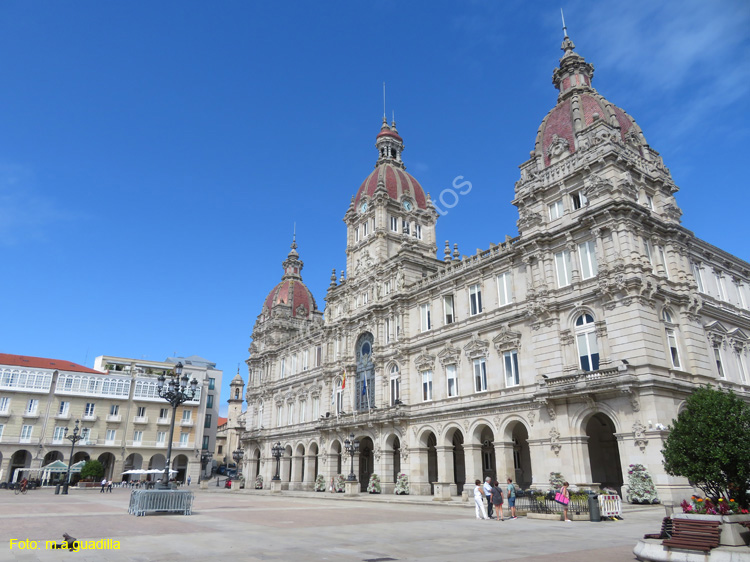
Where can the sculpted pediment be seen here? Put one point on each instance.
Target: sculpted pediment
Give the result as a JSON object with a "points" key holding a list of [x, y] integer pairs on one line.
{"points": [[507, 339], [476, 348]]}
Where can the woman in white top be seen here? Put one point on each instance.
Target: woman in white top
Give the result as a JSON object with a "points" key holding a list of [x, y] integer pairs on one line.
{"points": [[481, 512]]}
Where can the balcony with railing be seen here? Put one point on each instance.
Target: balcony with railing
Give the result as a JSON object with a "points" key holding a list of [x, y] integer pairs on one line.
{"points": [[186, 423], [140, 419], [114, 418], [162, 421]]}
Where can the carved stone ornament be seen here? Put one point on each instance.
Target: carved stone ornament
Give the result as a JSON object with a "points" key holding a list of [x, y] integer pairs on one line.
{"points": [[532, 418], [554, 438], [590, 401], [301, 311], [476, 348], [527, 219], [549, 407], [633, 397], [364, 263], [466, 426], [376, 453], [506, 340], [566, 337], [558, 147], [424, 361], [439, 429], [449, 355], [595, 185], [405, 451], [640, 435]]}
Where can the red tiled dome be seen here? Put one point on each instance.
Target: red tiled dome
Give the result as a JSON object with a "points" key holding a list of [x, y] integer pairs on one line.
{"points": [[398, 183], [291, 292]]}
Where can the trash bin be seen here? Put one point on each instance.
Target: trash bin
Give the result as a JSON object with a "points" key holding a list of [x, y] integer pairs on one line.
{"points": [[57, 489], [594, 513]]}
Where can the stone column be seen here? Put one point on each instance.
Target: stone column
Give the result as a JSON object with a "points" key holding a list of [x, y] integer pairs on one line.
{"points": [[297, 468], [309, 476], [445, 484], [385, 467], [473, 460], [417, 471], [504, 465]]}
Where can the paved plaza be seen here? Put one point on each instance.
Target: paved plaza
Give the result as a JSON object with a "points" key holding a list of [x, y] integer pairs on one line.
{"points": [[253, 525]]}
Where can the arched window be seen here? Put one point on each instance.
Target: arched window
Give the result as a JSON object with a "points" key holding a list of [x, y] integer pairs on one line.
{"points": [[339, 396], [395, 385], [588, 348], [670, 329]]}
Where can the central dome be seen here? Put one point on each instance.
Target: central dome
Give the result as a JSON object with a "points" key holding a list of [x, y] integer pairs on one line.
{"points": [[391, 172]]}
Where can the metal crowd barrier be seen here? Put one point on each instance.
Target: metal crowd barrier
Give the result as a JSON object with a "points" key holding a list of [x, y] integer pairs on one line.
{"points": [[151, 501], [610, 505]]}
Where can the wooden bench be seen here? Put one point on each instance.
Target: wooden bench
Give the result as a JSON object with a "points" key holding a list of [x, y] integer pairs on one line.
{"points": [[691, 534], [666, 530]]}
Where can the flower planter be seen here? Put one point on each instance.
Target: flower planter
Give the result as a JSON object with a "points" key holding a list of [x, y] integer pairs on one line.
{"points": [[732, 533]]}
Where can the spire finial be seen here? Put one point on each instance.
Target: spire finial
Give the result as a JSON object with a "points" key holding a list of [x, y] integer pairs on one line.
{"points": [[567, 44], [384, 118], [294, 236], [565, 29]]}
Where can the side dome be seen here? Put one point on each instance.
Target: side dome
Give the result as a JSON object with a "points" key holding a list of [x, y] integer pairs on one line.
{"points": [[290, 297], [391, 171], [578, 107]]}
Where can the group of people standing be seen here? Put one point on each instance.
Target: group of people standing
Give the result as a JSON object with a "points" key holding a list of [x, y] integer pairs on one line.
{"points": [[493, 493]]}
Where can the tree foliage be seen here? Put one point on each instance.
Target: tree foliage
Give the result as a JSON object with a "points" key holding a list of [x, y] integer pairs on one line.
{"points": [[709, 444], [92, 469]]}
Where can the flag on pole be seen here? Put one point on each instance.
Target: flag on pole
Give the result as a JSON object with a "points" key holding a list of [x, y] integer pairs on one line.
{"points": [[364, 392], [343, 380]]}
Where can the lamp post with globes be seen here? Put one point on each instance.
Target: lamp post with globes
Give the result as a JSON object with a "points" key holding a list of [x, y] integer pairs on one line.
{"points": [[352, 446], [237, 456], [176, 392], [74, 438], [276, 451]]}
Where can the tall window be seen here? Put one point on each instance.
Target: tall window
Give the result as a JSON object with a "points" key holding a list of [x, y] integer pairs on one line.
{"points": [[85, 435], [663, 258], [32, 406], [387, 328], [64, 408], [555, 210], [721, 291], [674, 352], [58, 435], [742, 367], [394, 224], [211, 383], [649, 252], [184, 439], [480, 375], [111, 433], [587, 257], [163, 414], [318, 356], [395, 385], [187, 415], [316, 407], [88, 410], [717, 358], [260, 414], [206, 442], [418, 231], [504, 289], [449, 315], [137, 437], [698, 274], [451, 377], [510, 366], [579, 200], [740, 294], [588, 349], [290, 414], [26, 432], [4, 404], [283, 367], [161, 437], [562, 266], [302, 411], [210, 401], [207, 422], [141, 412], [425, 321], [426, 386], [293, 370], [305, 359], [114, 409], [278, 415], [475, 299], [405, 227]]}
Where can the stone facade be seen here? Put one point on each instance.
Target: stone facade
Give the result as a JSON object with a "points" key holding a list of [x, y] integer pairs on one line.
{"points": [[569, 348]]}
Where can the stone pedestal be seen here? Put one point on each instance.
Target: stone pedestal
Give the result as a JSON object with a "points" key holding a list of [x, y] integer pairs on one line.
{"points": [[204, 485], [275, 486], [235, 485], [442, 491], [351, 488]]}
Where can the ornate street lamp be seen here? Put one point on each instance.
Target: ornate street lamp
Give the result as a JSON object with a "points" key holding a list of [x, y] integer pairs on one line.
{"points": [[277, 450], [352, 447], [176, 392], [205, 458], [237, 456], [75, 438]]}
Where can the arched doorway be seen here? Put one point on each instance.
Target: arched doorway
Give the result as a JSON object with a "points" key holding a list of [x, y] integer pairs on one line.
{"points": [[336, 451], [81, 456], [432, 464], [133, 462], [159, 462], [299, 464], [180, 464], [604, 454], [256, 456], [286, 464], [52, 456], [20, 459], [364, 390], [396, 451], [365, 462], [521, 456], [459, 461], [312, 454], [489, 462], [108, 463]]}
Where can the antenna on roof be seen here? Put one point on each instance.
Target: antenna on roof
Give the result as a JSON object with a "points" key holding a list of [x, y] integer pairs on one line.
{"points": [[383, 100], [294, 232], [565, 29]]}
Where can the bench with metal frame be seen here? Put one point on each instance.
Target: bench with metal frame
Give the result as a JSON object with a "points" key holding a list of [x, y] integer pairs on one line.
{"points": [[692, 534]]}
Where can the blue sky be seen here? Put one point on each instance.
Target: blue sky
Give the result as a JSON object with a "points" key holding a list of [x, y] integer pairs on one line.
{"points": [[154, 156]]}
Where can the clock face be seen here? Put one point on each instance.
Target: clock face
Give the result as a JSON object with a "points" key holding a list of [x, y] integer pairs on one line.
{"points": [[363, 207], [407, 205]]}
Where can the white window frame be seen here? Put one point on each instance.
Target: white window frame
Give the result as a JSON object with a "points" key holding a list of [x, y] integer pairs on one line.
{"points": [[187, 415], [387, 329], [4, 404], [425, 317], [587, 259], [89, 409], [510, 368], [26, 433], [305, 359], [698, 274], [110, 437], [161, 437], [394, 224], [282, 368], [504, 289], [315, 407], [648, 250], [395, 384], [563, 268], [475, 299], [449, 309], [426, 386], [720, 288], [32, 407], [302, 410], [556, 210], [58, 435], [260, 414], [184, 437], [719, 359], [742, 367], [290, 414], [674, 349], [587, 344], [137, 436], [451, 381], [64, 408], [480, 374], [279, 415], [578, 200], [293, 366], [663, 258]]}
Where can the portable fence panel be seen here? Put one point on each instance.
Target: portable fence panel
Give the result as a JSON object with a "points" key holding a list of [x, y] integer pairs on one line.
{"points": [[175, 501], [610, 505]]}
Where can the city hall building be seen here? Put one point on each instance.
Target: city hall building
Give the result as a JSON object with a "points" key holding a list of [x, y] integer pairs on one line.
{"points": [[569, 348]]}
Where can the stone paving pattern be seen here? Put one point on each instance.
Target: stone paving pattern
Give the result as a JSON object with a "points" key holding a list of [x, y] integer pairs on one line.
{"points": [[250, 525]]}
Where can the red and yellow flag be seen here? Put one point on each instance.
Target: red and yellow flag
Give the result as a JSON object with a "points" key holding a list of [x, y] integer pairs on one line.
{"points": [[343, 380]]}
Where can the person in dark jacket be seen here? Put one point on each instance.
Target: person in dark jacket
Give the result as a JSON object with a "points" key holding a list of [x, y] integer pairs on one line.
{"points": [[497, 500]]}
